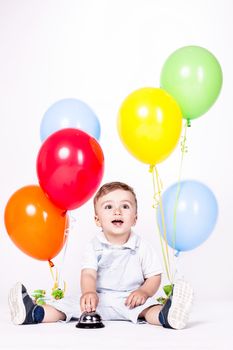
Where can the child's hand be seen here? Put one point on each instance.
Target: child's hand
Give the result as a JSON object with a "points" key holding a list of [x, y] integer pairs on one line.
{"points": [[136, 298], [89, 301]]}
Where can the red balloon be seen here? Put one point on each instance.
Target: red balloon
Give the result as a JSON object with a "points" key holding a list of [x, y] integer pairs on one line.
{"points": [[70, 166], [35, 224]]}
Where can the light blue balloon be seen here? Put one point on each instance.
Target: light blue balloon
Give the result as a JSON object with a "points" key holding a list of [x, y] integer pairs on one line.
{"points": [[196, 214], [69, 113]]}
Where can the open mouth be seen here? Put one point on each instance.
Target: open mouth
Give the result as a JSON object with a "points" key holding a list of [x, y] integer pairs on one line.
{"points": [[117, 222]]}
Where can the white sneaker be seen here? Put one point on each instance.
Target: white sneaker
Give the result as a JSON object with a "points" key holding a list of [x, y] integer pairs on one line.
{"points": [[175, 312], [21, 305]]}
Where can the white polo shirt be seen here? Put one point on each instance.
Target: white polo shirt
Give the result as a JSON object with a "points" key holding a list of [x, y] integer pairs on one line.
{"points": [[121, 268]]}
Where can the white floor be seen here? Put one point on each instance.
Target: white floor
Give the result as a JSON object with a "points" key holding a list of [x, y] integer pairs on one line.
{"points": [[210, 327]]}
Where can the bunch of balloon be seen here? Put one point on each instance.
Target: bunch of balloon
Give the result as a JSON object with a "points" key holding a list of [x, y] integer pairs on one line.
{"points": [[70, 162], [193, 76], [70, 166], [149, 125]]}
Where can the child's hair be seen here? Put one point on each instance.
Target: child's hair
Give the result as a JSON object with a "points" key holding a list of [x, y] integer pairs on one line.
{"points": [[112, 186]]}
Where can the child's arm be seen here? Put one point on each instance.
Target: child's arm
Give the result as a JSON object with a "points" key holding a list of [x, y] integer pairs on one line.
{"points": [[89, 299], [147, 289]]}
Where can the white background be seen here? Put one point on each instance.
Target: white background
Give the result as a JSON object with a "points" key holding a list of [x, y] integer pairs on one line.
{"points": [[99, 52]]}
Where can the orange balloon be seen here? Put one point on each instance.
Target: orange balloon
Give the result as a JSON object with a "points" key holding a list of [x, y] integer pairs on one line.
{"points": [[35, 224]]}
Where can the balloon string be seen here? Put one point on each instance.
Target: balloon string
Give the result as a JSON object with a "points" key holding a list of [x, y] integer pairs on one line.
{"points": [[66, 236], [184, 149], [70, 220], [157, 187], [55, 278], [163, 219]]}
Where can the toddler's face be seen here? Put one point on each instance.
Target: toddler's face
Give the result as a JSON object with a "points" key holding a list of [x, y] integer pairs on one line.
{"points": [[116, 212]]}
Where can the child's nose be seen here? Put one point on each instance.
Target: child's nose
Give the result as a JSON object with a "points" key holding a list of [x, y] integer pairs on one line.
{"points": [[117, 210]]}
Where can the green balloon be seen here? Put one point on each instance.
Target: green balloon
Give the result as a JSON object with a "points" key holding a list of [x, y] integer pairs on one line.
{"points": [[193, 76]]}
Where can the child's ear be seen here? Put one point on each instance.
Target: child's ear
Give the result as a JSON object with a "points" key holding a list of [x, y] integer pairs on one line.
{"points": [[135, 220], [97, 222]]}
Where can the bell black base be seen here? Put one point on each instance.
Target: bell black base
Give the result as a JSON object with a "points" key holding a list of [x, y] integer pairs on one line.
{"points": [[90, 326]]}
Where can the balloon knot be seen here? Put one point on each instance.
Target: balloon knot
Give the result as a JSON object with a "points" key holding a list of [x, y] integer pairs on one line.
{"points": [[51, 264], [151, 168]]}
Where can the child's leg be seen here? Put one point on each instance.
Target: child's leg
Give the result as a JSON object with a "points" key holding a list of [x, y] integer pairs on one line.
{"points": [[174, 314], [52, 315], [25, 311], [151, 314]]}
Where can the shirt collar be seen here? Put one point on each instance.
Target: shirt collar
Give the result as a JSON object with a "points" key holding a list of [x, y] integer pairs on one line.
{"points": [[132, 242]]}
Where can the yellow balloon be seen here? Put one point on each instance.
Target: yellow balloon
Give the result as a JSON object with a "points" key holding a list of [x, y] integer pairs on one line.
{"points": [[149, 124]]}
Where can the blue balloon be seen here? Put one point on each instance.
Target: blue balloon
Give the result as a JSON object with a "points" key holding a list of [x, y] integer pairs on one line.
{"points": [[69, 113], [195, 218]]}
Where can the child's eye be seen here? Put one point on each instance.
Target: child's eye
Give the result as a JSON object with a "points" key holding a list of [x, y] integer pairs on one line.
{"points": [[125, 206], [108, 206]]}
